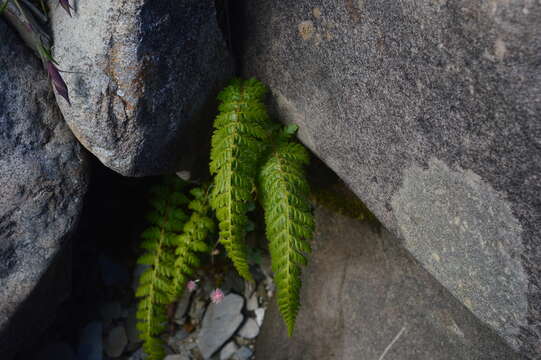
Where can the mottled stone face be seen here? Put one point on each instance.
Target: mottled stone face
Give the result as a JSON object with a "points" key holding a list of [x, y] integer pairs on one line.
{"points": [[466, 235], [141, 74], [429, 111], [43, 178], [364, 297]]}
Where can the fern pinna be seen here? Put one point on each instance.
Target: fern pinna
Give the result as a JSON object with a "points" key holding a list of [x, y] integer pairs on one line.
{"points": [[288, 217], [237, 145], [170, 245]]}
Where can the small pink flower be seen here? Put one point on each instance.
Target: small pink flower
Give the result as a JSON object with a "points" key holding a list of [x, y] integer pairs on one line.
{"points": [[191, 286], [216, 296]]}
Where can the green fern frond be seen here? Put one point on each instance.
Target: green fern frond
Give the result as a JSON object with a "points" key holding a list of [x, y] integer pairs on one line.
{"points": [[193, 239], [156, 286], [238, 142], [289, 221]]}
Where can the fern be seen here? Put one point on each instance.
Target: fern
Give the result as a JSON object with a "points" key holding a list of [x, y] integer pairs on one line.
{"points": [[248, 152], [192, 240], [288, 217], [156, 287], [237, 146]]}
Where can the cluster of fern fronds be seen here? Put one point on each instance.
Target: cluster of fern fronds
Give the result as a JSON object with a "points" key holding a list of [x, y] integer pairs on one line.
{"points": [[171, 244], [252, 159]]}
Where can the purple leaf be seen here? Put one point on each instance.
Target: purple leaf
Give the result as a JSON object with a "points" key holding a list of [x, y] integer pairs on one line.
{"points": [[66, 5], [58, 82]]}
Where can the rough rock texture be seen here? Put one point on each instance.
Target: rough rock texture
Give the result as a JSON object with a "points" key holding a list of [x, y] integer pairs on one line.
{"points": [[143, 74], [42, 183], [360, 290], [430, 111]]}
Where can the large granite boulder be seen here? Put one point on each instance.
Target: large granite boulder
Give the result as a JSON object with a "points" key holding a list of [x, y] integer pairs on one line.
{"points": [[42, 183], [431, 112], [364, 298], [141, 76]]}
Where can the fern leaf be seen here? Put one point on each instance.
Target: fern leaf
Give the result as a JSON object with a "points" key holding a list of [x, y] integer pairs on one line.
{"points": [[289, 221], [238, 142], [156, 288], [192, 240]]}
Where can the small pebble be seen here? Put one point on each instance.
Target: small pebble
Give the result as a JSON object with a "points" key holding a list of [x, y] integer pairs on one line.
{"points": [[259, 316], [184, 175], [252, 303], [228, 350], [220, 323], [249, 288], [182, 307], [249, 330], [244, 353], [116, 342]]}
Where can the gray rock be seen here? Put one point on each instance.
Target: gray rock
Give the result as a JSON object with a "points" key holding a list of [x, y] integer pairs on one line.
{"points": [[252, 303], [360, 291], [244, 353], [182, 308], [249, 288], [142, 76], [269, 286], [219, 324], [228, 350], [259, 316], [91, 342], [184, 175], [430, 112], [116, 342], [249, 330], [43, 178], [56, 351]]}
